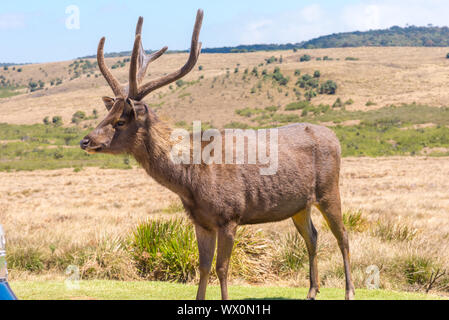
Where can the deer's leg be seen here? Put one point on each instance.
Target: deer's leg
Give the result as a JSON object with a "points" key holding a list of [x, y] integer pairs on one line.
{"points": [[226, 236], [303, 223], [331, 210], [206, 246]]}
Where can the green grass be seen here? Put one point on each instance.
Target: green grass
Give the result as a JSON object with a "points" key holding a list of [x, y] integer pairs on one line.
{"points": [[115, 290], [7, 92], [41, 147]]}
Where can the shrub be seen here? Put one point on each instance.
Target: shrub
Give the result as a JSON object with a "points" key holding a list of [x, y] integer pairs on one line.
{"points": [[310, 94], [297, 106], [297, 72], [349, 102], [78, 117], [394, 232], [46, 121], [271, 60], [200, 68], [57, 121], [351, 59], [305, 58], [418, 269], [447, 56], [292, 253], [317, 74], [337, 103], [370, 103], [272, 109], [180, 83], [165, 250], [329, 87]]}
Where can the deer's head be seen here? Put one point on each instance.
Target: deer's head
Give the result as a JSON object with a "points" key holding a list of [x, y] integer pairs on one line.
{"points": [[127, 113]]}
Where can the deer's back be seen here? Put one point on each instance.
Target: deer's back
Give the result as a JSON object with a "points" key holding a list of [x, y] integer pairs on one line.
{"points": [[308, 167]]}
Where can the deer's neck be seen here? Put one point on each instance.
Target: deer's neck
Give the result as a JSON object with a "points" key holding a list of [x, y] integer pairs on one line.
{"points": [[153, 153]]}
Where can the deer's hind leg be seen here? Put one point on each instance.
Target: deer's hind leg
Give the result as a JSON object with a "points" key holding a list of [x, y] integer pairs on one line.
{"points": [[330, 207], [304, 225]]}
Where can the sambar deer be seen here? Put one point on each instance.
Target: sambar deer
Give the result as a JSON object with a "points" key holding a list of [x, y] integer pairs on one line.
{"points": [[220, 197]]}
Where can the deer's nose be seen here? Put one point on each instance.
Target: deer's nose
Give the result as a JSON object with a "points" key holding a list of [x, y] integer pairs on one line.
{"points": [[84, 143]]}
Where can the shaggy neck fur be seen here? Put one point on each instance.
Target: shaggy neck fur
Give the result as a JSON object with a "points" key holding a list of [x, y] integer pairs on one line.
{"points": [[152, 150]]}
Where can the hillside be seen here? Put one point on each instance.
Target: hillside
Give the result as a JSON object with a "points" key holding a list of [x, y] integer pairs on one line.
{"points": [[393, 37], [375, 76]]}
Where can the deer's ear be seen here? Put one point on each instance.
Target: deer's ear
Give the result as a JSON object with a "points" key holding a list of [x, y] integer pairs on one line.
{"points": [[108, 102]]}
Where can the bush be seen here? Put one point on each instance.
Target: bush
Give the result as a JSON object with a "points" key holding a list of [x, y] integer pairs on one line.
{"points": [[310, 94], [271, 60], [317, 74], [57, 121], [297, 106], [297, 72], [305, 58], [329, 87], [78, 117], [180, 83], [165, 250], [46, 121]]}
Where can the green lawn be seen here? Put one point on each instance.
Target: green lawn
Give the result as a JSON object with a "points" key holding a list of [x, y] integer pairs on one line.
{"points": [[114, 290]]}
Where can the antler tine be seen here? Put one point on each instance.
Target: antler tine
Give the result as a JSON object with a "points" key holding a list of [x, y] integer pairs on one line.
{"points": [[112, 81], [140, 61], [193, 58], [133, 90]]}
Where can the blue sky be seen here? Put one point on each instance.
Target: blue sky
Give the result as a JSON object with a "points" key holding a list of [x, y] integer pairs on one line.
{"points": [[35, 31]]}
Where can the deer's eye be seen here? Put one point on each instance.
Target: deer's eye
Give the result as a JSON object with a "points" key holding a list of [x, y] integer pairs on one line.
{"points": [[120, 123]]}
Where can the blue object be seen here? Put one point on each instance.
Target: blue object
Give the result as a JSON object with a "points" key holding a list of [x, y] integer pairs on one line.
{"points": [[6, 292]]}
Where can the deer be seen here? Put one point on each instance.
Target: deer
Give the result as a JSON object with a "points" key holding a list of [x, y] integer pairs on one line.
{"points": [[218, 198]]}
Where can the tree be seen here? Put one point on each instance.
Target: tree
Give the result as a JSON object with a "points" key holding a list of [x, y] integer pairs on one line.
{"points": [[57, 121], [305, 58], [78, 117], [329, 87], [317, 74]]}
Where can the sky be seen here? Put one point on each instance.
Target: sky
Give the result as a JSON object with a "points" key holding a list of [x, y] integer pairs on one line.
{"points": [[48, 30]]}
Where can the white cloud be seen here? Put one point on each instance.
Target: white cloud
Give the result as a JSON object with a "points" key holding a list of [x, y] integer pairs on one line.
{"points": [[316, 20], [11, 21]]}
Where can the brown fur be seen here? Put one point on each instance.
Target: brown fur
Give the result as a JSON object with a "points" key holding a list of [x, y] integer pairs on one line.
{"points": [[219, 198]]}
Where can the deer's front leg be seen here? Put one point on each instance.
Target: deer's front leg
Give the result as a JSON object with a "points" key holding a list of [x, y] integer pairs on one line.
{"points": [[206, 246], [226, 236]]}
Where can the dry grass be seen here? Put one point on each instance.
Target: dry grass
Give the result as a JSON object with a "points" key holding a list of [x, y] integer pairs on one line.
{"points": [[85, 217], [382, 75]]}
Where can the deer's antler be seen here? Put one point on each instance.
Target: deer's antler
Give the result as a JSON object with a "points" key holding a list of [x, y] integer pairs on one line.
{"points": [[195, 51], [140, 62]]}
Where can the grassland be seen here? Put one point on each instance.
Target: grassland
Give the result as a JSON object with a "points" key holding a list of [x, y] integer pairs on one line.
{"points": [[57, 218], [85, 211], [114, 290]]}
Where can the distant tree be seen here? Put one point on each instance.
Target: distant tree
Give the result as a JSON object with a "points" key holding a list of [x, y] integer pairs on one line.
{"points": [[19, 70], [200, 68], [305, 58], [57, 121], [317, 74], [329, 87], [78, 117]]}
